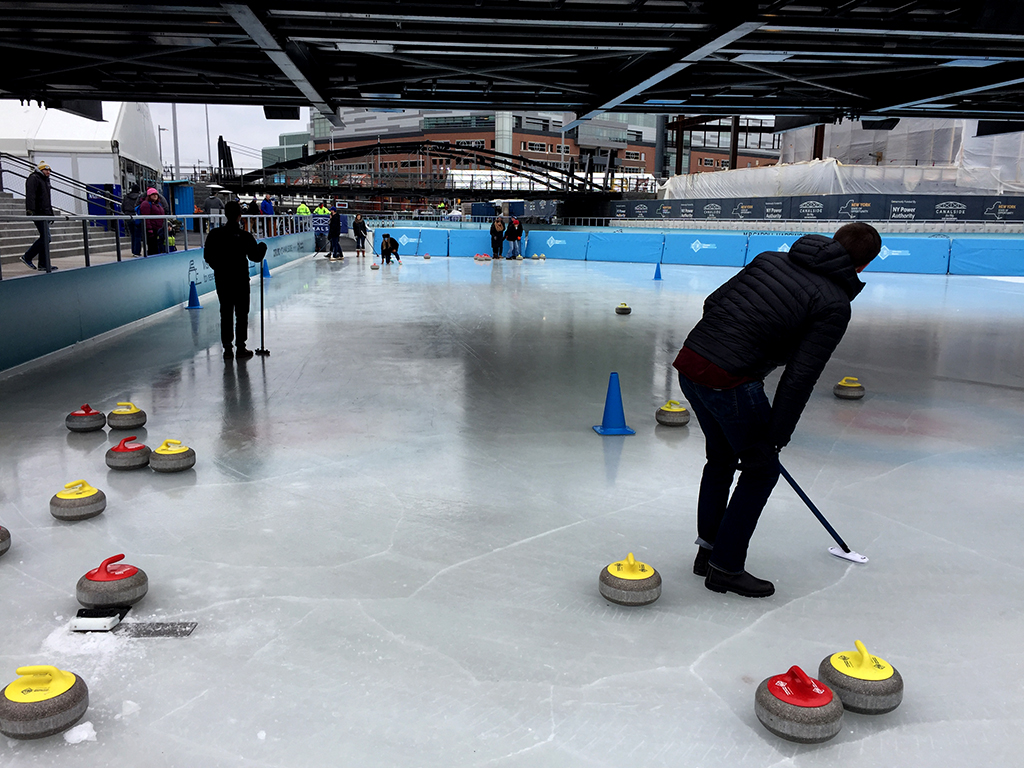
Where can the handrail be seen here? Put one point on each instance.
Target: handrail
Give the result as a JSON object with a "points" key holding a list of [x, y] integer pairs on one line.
{"points": [[67, 180]]}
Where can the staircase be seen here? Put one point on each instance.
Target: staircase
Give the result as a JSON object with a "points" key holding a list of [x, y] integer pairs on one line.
{"points": [[66, 241]]}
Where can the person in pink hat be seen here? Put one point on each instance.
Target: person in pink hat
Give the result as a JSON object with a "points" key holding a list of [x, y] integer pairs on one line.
{"points": [[154, 227]]}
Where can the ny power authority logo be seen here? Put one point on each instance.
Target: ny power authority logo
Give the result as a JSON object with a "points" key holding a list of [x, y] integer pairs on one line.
{"points": [[552, 242], [696, 246]]}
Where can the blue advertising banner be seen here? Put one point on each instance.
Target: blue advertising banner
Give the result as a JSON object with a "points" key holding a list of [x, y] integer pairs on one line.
{"points": [[720, 249], [914, 255], [634, 247], [468, 242], [986, 256], [557, 245], [320, 223]]}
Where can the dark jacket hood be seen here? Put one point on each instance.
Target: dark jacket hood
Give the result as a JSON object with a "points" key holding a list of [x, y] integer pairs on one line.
{"points": [[824, 256]]}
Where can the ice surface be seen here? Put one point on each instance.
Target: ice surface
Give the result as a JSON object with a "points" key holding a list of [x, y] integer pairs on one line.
{"points": [[392, 538]]}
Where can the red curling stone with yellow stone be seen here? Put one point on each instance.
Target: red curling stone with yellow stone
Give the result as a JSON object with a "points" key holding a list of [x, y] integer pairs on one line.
{"points": [[172, 456], [798, 708], [78, 501], [630, 582], [42, 702], [112, 586], [85, 419], [128, 455]]}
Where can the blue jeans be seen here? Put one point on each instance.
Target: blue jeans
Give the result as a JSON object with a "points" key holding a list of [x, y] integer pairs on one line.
{"points": [[735, 425], [514, 249], [336, 248], [136, 227]]}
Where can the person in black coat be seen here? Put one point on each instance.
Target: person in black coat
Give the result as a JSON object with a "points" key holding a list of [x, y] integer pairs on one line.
{"points": [[334, 235], [37, 203], [497, 237], [228, 251], [782, 309], [388, 248], [359, 233], [514, 235]]}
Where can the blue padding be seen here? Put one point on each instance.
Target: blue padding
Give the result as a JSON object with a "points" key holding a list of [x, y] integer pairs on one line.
{"points": [[916, 255], [555, 245], [987, 256], [640, 248], [468, 242], [432, 241], [771, 242], [412, 239], [719, 249]]}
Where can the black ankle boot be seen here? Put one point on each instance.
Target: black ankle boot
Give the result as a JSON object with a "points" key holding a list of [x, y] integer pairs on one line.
{"points": [[741, 583], [700, 564]]}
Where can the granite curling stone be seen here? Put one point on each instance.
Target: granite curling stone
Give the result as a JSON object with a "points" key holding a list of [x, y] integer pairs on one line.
{"points": [[864, 683], [798, 708], [78, 501], [43, 701], [849, 389], [543, 257], [128, 455], [426, 255], [85, 420], [128, 416], [519, 257], [5, 539], [623, 309], [172, 456], [112, 586], [672, 414], [630, 582], [375, 265]]}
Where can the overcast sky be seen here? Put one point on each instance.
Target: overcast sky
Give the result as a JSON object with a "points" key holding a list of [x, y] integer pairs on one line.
{"points": [[239, 125]]}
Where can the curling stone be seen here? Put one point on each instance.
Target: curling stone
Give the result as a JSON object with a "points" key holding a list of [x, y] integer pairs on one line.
{"points": [[623, 309], [112, 586], [78, 501], [630, 582], [85, 420], [172, 456], [519, 257], [535, 257], [5, 539], [43, 701], [128, 455], [672, 414], [375, 265], [798, 708], [849, 389], [126, 417], [426, 255], [543, 256], [864, 683]]}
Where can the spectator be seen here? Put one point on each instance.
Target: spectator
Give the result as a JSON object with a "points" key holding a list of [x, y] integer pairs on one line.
{"points": [[267, 209], [303, 209], [334, 236], [130, 207], [359, 232], [37, 203], [214, 207], [154, 227], [497, 237], [228, 251], [514, 235]]}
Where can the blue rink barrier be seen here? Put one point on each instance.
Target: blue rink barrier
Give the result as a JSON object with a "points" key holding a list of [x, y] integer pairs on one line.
{"points": [[635, 247], [780, 242], [556, 245], [912, 255], [468, 242], [432, 241], [986, 256], [414, 242], [718, 249]]}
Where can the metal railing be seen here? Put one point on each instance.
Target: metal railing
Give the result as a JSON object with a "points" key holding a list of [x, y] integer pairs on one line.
{"points": [[60, 185], [180, 232]]}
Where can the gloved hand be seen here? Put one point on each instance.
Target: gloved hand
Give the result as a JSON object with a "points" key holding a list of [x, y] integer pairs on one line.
{"points": [[762, 455]]}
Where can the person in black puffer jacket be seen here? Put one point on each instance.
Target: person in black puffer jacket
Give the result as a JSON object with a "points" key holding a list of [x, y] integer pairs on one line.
{"points": [[783, 309]]}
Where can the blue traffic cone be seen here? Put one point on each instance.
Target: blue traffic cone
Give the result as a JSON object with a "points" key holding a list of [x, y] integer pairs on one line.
{"points": [[657, 271], [266, 270], [614, 421], [193, 296]]}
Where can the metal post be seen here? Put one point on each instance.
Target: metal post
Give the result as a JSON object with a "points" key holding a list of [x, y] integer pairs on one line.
{"points": [[85, 241], [174, 126], [117, 237], [262, 351]]}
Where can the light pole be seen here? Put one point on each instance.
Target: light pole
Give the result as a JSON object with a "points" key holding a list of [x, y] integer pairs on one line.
{"points": [[160, 143]]}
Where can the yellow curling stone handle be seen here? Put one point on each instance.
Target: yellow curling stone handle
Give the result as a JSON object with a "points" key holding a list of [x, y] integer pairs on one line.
{"points": [[674, 406], [861, 664], [849, 381], [631, 569], [128, 408], [166, 449], [77, 489], [39, 683]]}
